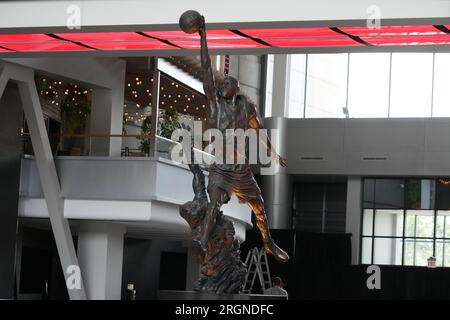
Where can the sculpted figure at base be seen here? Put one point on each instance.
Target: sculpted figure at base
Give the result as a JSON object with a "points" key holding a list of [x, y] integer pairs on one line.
{"points": [[222, 270]]}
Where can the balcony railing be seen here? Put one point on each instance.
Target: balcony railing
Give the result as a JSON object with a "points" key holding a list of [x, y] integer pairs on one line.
{"points": [[131, 145]]}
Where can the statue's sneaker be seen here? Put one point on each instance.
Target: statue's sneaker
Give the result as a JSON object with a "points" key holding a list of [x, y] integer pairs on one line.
{"points": [[276, 251]]}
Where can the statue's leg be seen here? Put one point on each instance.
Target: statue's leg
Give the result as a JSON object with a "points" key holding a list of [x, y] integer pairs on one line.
{"points": [[257, 206], [218, 197]]}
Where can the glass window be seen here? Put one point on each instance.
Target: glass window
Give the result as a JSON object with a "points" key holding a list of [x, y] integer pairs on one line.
{"points": [[416, 227], [443, 194], [411, 79], [369, 193], [326, 91], [366, 257], [419, 223], [368, 85], [442, 253], [417, 251], [441, 92], [269, 87], [387, 251], [389, 193], [420, 193], [389, 223], [367, 222], [297, 85], [443, 224]]}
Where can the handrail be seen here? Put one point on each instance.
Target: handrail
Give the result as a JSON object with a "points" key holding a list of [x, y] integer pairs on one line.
{"points": [[137, 136]]}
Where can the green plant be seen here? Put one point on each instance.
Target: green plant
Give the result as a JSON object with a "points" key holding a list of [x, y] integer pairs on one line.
{"points": [[168, 122], [74, 114], [146, 130]]}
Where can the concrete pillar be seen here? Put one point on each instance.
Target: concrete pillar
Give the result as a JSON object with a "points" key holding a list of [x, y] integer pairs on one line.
{"points": [[100, 254], [107, 112], [280, 90], [192, 271], [277, 187], [353, 214], [106, 119], [247, 69]]}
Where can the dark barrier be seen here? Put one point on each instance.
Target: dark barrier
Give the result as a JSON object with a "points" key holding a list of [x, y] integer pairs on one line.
{"points": [[10, 157], [320, 268]]}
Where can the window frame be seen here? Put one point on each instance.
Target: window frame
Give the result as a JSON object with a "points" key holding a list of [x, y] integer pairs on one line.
{"points": [[265, 75], [404, 238]]}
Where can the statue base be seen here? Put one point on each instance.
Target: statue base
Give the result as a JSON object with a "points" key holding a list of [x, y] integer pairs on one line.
{"points": [[192, 295]]}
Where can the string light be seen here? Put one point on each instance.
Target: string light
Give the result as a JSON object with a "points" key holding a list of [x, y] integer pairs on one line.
{"points": [[174, 95]]}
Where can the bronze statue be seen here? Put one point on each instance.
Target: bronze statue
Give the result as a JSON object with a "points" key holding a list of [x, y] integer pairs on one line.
{"points": [[217, 248], [227, 109]]}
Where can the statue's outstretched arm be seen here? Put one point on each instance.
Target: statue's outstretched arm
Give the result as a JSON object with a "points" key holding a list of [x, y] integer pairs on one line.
{"points": [[255, 122], [208, 76]]}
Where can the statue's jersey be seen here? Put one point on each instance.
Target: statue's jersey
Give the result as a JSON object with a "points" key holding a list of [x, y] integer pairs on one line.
{"points": [[229, 118]]}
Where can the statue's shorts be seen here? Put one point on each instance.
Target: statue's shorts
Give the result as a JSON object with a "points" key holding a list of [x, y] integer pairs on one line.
{"points": [[240, 183]]}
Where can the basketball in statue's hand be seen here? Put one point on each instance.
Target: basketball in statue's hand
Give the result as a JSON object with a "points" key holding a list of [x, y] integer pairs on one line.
{"points": [[190, 21]]}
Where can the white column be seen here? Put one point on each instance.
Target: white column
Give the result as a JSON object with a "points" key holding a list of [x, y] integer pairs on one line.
{"points": [[280, 90], [277, 187], [100, 121], [353, 214], [106, 119], [100, 254], [247, 69]]}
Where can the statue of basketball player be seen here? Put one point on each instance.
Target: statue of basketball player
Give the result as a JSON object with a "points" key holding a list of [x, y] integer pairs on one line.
{"points": [[227, 109]]}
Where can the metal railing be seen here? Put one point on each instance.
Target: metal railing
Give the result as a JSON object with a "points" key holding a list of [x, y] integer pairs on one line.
{"points": [[91, 145]]}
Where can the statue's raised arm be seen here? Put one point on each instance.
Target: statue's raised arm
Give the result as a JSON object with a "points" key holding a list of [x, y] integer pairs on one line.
{"points": [[208, 76], [192, 22]]}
